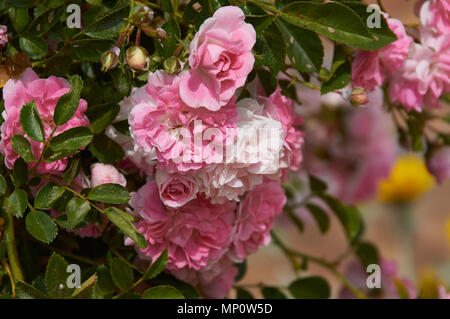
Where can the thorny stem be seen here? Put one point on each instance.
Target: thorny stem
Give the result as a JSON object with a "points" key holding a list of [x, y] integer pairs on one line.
{"points": [[331, 267]]}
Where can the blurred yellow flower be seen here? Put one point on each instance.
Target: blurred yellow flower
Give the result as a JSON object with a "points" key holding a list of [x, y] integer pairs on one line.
{"points": [[408, 180], [447, 228]]}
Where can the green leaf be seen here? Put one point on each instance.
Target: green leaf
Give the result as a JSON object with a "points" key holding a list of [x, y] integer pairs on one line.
{"points": [[68, 103], [31, 122], [35, 48], [384, 33], [270, 50], [20, 172], [168, 46], [74, 138], [304, 47], [26, 291], [109, 25], [121, 80], [338, 80], [77, 209], [241, 293], [19, 18], [3, 185], [25, 4], [48, 195], [105, 149], [367, 254], [120, 219], [102, 115], [17, 202], [272, 293], [22, 147], [86, 289], [88, 50], [56, 277], [121, 274], [415, 129], [310, 288], [295, 219], [72, 170], [162, 292], [41, 226], [333, 20], [321, 217], [268, 81], [316, 185], [157, 266], [109, 193]]}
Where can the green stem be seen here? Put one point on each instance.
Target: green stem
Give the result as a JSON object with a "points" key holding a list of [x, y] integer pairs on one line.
{"points": [[359, 294], [13, 256]]}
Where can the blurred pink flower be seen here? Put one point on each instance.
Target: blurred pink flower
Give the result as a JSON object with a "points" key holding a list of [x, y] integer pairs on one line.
{"points": [[46, 93], [435, 15], [105, 173], [255, 218], [370, 68], [3, 36], [194, 234], [220, 58], [443, 294], [439, 164], [214, 281]]}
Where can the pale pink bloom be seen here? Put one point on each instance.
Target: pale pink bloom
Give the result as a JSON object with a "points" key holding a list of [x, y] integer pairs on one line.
{"points": [[215, 281], [439, 164], [370, 68], [175, 189], [435, 15], [354, 152], [105, 173], [220, 59], [194, 234], [357, 275], [443, 294], [46, 93], [177, 132], [3, 36], [255, 218], [280, 108], [424, 77]]}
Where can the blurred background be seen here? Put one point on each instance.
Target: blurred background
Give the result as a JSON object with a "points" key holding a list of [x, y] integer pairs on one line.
{"points": [[414, 235]]}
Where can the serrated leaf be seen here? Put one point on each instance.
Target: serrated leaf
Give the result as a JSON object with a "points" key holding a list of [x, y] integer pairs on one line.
{"points": [[109, 193], [321, 217], [310, 288], [41, 226], [121, 274], [304, 47], [333, 20], [73, 139], [77, 209], [56, 277], [31, 122], [68, 103], [106, 150], [162, 292], [17, 203], [157, 266], [48, 195], [26, 291], [270, 50], [338, 79], [86, 289], [35, 48], [109, 25], [119, 219], [22, 147], [102, 115]]}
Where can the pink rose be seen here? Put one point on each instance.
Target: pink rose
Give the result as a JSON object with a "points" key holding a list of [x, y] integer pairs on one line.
{"points": [[194, 234], [214, 282], [255, 218], [3, 36], [220, 59], [175, 190], [104, 173], [435, 15], [439, 164], [164, 124], [443, 294], [46, 93], [370, 68]]}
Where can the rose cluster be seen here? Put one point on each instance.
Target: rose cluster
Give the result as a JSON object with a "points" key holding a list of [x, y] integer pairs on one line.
{"points": [[213, 165]]}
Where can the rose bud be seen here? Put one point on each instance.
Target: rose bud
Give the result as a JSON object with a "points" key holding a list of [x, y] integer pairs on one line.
{"points": [[172, 65], [110, 59], [137, 58], [161, 33], [359, 97]]}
